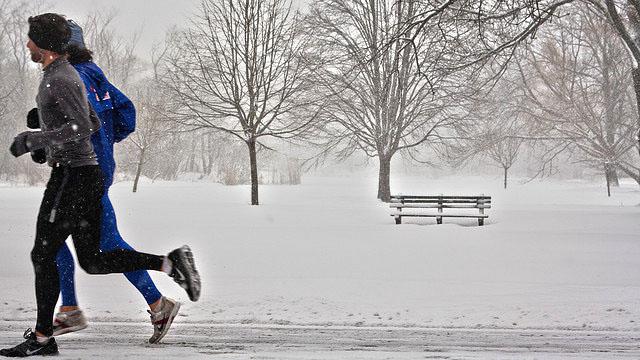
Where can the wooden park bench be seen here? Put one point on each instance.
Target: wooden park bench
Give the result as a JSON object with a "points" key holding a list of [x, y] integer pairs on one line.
{"points": [[440, 202]]}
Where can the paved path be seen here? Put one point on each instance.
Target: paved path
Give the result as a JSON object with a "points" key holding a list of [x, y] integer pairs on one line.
{"points": [[192, 341]]}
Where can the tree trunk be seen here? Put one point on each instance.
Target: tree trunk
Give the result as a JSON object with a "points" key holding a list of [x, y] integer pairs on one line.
{"points": [[254, 171], [139, 170], [636, 87], [384, 187], [506, 170], [209, 167], [611, 175]]}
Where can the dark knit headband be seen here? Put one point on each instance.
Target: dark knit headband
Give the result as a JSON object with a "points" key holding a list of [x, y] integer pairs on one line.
{"points": [[49, 32]]}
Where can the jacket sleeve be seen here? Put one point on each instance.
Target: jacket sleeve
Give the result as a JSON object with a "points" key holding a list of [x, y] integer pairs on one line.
{"points": [[81, 120], [124, 114]]}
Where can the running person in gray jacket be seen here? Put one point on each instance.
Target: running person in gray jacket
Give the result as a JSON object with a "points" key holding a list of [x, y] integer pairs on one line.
{"points": [[72, 200]]}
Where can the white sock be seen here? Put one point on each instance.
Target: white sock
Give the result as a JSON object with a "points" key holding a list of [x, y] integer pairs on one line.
{"points": [[42, 339], [167, 265]]}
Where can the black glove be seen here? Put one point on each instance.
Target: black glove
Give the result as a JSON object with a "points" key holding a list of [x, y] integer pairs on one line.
{"points": [[39, 156], [33, 119], [19, 146]]}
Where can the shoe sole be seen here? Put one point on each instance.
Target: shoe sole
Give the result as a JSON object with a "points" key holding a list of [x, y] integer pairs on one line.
{"points": [[38, 354], [172, 316], [70, 329], [193, 294]]}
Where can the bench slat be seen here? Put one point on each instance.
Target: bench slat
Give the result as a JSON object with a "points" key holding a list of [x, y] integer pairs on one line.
{"points": [[439, 215], [436, 206], [435, 201], [439, 197]]}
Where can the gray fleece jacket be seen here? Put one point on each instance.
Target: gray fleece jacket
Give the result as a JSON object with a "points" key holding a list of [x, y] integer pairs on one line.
{"points": [[66, 118]]}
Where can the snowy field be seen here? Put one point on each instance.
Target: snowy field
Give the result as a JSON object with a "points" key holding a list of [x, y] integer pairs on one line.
{"points": [[321, 271]]}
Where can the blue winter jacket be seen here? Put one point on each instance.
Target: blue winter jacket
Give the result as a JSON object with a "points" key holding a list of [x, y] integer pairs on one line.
{"points": [[116, 112]]}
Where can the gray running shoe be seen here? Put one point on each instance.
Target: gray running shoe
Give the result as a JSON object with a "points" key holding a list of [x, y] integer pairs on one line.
{"points": [[69, 321], [163, 318]]}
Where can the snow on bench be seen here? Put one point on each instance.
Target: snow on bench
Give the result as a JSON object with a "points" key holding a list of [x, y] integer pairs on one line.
{"points": [[439, 202]]}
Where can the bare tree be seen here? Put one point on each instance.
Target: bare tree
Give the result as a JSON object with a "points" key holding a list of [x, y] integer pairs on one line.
{"points": [[18, 82], [496, 129], [502, 25], [628, 28], [578, 86], [380, 102], [153, 130], [238, 71], [481, 32], [505, 149]]}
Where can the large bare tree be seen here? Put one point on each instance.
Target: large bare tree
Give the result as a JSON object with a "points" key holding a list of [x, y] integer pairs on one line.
{"points": [[238, 70], [383, 99]]}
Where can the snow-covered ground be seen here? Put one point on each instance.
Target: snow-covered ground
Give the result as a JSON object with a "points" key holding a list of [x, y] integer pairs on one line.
{"points": [[554, 257]]}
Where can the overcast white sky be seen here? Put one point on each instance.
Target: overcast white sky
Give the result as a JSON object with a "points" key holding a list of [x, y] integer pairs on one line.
{"points": [[152, 17]]}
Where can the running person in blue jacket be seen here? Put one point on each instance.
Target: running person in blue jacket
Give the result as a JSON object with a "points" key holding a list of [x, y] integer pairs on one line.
{"points": [[118, 117]]}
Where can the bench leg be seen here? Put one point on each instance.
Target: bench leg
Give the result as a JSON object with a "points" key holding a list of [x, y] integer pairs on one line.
{"points": [[439, 220], [398, 220], [480, 221]]}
